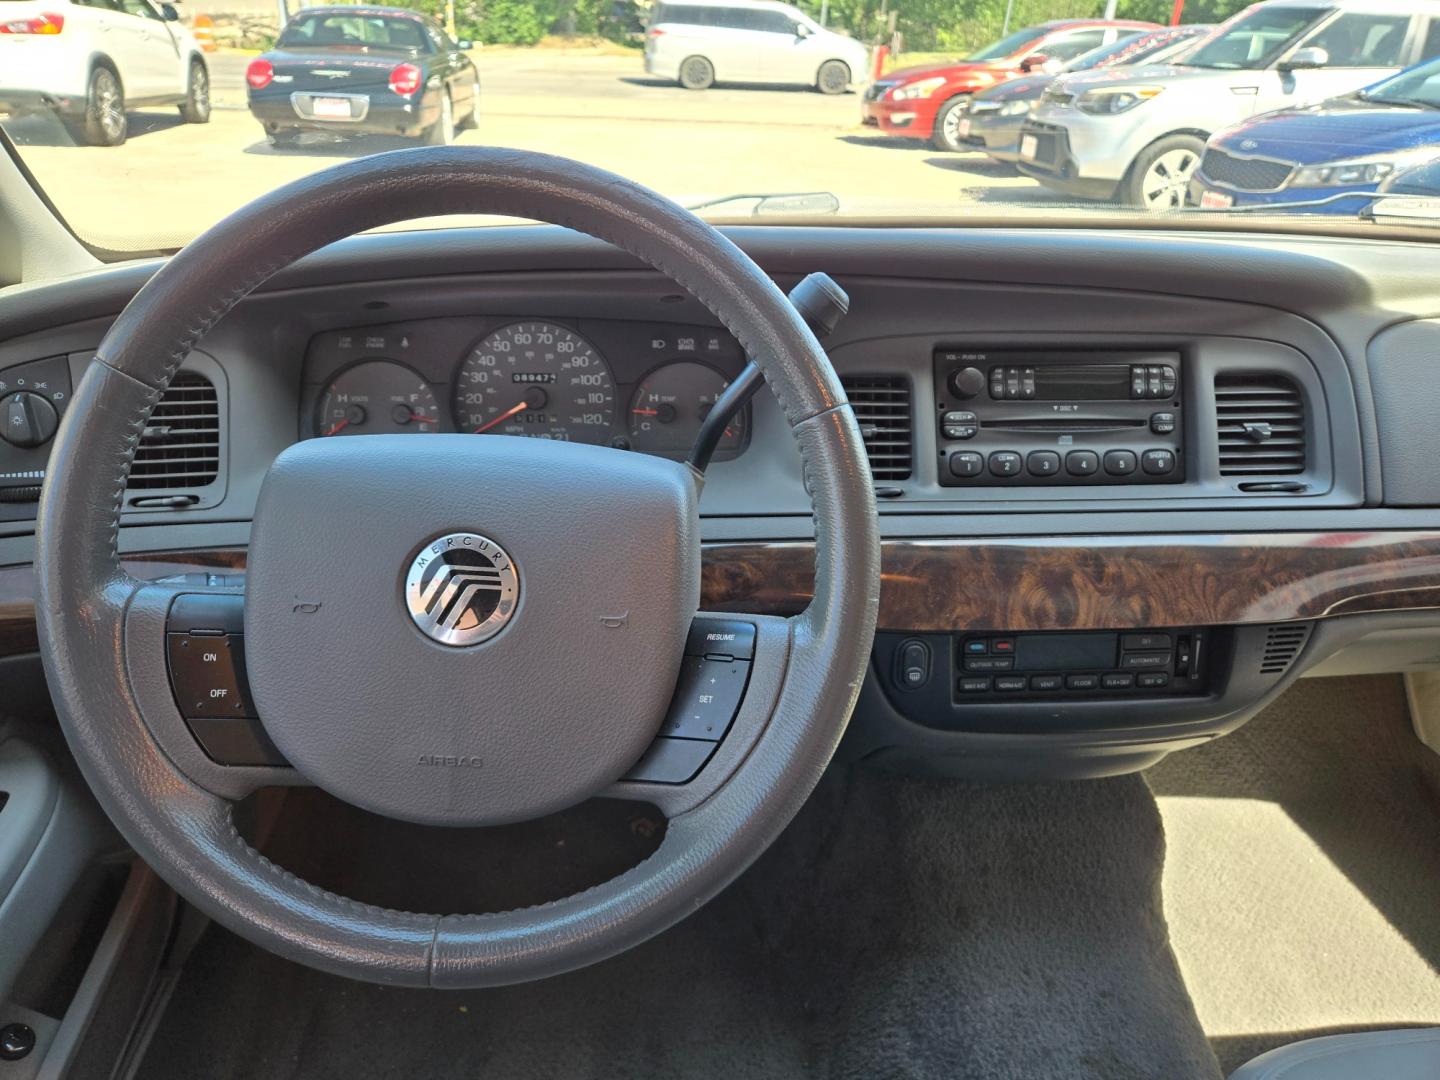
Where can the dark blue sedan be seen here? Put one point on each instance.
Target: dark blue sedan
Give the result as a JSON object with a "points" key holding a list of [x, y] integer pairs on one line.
{"points": [[1327, 158]]}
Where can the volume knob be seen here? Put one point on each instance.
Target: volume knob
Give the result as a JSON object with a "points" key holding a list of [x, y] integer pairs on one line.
{"points": [[966, 383]]}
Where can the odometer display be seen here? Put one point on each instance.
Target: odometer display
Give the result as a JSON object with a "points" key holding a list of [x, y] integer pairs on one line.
{"points": [[536, 379]]}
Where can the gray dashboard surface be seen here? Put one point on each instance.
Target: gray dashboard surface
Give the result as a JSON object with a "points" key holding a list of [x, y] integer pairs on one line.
{"points": [[1326, 298]]}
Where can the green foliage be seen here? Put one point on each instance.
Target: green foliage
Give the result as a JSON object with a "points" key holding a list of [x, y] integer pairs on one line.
{"points": [[959, 27], [965, 26]]}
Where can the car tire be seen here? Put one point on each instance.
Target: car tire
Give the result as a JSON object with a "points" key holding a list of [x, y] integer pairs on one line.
{"points": [[946, 133], [104, 122], [833, 77], [472, 119], [196, 109], [1159, 178], [696, 73], [442, 132]]}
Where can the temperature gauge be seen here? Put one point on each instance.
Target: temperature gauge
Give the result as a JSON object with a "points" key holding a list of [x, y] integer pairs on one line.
{"points": [[668, 407], [377, 397]]}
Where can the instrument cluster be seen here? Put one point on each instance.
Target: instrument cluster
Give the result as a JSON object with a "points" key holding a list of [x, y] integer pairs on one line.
{"points": [[630, 385]]}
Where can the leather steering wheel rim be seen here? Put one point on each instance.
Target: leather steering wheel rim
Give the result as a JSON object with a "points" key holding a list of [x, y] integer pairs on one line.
{"points": [[186, 832]]}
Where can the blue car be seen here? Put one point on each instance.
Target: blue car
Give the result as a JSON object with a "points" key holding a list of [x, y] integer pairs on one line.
{"points": [[1327, 158]]}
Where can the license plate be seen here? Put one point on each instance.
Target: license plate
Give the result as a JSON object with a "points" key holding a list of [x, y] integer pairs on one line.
{"points": [[1029, 146], [1216, 200], [338, 108], [965, 127]]}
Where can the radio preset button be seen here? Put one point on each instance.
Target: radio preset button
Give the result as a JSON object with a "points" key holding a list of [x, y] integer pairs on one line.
{"points": [[1162, 423], [1120, 462], [966, 464], [1042, 463], [1082, 462], [1004, 463], [1158, 462]]}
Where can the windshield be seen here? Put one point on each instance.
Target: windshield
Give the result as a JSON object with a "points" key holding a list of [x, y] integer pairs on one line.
{"points": [[1254, 40], [144, 123], [1009, 46], [1419, 86]]}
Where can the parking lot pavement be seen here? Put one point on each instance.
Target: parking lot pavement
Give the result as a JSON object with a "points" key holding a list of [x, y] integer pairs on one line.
{"points": [[171, 180]]}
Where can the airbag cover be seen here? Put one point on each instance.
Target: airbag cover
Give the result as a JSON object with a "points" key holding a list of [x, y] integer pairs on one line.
{"points": [[554, 706]]}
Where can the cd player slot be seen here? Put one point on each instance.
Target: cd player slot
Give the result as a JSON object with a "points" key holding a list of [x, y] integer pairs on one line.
{"points": [[1069, 423]]}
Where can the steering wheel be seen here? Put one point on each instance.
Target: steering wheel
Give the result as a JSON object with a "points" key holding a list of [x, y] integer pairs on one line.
{"points": [[574, 570]]}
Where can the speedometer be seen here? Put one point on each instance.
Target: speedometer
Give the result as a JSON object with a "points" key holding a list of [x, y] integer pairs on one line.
{"points": [[537, 379]]}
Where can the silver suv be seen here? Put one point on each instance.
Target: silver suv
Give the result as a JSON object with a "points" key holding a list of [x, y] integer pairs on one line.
{"points": [[1136, 134]]}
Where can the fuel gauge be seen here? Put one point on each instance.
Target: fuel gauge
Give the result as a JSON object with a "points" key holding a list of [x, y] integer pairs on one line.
{"points": [[669, 405], [377, 397]]}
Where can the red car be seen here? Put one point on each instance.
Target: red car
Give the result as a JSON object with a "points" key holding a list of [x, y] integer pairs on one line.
{"points": [[925, 102]]}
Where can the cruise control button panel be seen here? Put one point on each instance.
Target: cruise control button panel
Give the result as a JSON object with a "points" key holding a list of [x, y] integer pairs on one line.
{"points": [[713, 676], [205, 646]]}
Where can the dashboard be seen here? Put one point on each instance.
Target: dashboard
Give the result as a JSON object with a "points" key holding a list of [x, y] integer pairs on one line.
{"points": [[1130, 485]]}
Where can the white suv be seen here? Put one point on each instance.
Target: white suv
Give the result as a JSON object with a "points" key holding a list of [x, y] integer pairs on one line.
{"points": [[747, 41], [90, 60]]}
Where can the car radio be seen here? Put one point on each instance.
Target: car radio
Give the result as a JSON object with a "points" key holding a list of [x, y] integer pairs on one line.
{"points": [[1045, 418]]}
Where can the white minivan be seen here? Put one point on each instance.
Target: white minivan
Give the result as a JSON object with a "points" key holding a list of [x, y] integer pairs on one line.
{"points": [[701, 43], [90, 60]]}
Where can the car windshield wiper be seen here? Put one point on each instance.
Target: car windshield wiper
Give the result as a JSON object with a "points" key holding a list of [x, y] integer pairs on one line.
{"points": [[789, 204]]}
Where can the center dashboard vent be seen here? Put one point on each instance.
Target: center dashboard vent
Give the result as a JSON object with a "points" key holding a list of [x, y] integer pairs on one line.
{"points": [[180, 447], [1260, 420], [882, 409]]}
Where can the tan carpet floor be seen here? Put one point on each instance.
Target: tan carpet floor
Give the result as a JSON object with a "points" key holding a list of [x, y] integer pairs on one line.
{"points": [[1302, 872]]}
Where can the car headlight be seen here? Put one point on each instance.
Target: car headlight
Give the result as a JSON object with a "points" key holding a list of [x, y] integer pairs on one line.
{"points": [[1017, 108], [922, 89], [1362, 170], [1108, 101]]}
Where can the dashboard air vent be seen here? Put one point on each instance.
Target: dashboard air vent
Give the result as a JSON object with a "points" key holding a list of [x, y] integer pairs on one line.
{"points": [[1282, 644], [882, 409], [1261, 423], [180, 447]]}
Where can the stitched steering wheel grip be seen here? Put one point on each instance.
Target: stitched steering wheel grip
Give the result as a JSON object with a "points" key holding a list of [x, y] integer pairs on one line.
{"points": [[187, 832]]}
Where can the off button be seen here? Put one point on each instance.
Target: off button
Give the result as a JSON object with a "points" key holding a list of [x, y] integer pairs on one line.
{"points": [[207, 673]]}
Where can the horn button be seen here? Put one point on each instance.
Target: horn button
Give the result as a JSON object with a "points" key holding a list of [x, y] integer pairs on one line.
{"points": [[459, 630]]}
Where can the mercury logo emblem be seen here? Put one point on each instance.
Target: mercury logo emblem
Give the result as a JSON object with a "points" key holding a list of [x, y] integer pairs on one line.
{"points": [[462, 589]]}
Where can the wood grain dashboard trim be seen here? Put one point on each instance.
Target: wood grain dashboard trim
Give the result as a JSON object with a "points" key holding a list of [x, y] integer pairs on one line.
{"points": [[1100, 582], [1040, 583]]}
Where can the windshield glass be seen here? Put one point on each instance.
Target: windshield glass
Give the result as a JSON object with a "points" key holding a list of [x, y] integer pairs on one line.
{"points": [[144, 123], [1009, 46], [1419, 86], [1255, 39]]}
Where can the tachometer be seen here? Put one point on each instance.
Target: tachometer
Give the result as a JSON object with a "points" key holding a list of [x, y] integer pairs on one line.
{"points": [[537, 379], [668, 407], [376, 397]]}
